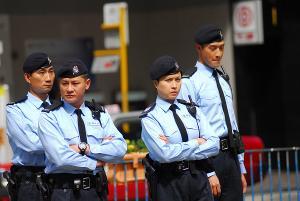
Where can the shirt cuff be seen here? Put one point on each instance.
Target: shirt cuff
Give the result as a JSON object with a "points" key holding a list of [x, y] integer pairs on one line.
{"points": [[211, 174], [243, 169]]}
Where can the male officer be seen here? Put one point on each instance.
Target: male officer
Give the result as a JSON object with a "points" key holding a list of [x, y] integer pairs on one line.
{"points": [[22, 117], [178, 137], [210, 89], [78, 138]]}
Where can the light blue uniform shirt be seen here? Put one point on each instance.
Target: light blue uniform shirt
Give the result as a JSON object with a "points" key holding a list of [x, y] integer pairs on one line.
{"points": [[59, 128], [202, 88], [160, 121], [22, 128]]}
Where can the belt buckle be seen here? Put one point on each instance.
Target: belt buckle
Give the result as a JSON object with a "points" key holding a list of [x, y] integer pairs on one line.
{"points": [[224, 145], [183, 166], [86, 183]]}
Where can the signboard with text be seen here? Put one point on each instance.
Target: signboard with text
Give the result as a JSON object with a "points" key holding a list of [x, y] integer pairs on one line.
{"points": [[248, 22], [111, 13]]}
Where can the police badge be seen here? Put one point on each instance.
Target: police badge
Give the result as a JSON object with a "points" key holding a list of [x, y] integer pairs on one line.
{"points": [[75, 70]]}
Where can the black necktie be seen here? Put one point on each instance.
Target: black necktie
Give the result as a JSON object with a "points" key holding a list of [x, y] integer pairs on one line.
{"points": [[81, 126], [225, 109], [45, 104], [179, 123]]}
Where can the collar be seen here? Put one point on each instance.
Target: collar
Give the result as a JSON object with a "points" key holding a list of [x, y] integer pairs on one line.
{"points": [[165, 105], [71, 109], [204, 69], [36, 101]]}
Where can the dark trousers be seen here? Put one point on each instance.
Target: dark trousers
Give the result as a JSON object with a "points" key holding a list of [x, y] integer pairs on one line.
{"points": [[27, 191], [228, 171], [183, 187], [74, 195]]}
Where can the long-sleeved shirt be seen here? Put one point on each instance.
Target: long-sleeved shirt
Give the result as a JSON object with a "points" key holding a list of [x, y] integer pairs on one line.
{"points": [[202, 88], [22, 128], [58, 129], [160, 121]]}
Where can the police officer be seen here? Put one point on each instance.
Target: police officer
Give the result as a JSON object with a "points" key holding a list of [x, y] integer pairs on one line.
{"points": [[78, 138], [178, 138], [209, 87], [22, 117]]}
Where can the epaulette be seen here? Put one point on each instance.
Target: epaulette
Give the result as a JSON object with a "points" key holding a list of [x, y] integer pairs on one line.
{"points": [[184, 102], [189, 72], [147, 110], [55, 105], [94, 106], [96, 110], [18, 101], [225, 76]]}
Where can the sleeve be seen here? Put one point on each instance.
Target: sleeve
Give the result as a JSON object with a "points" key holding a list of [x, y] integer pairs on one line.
{"points": [[242, 165], [166, 152], [109, 150], [20, 130], [186, 90], [212, 145], [57, 149]]}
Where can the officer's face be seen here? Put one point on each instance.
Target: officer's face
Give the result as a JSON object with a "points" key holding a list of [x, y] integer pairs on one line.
{"points": [[211, 54], [40, 81], [73, 89], [168, 86]]}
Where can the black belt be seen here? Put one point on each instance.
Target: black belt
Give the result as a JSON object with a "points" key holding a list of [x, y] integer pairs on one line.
{"points": [[26, 173], [182, 166], [72, 181], [21, 168]]}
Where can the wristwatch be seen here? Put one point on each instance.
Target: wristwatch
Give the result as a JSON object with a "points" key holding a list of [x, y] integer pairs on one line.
{"points": [[82, 147]]}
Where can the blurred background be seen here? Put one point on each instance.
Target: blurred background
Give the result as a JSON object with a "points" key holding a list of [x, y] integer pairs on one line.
{"points": [[264, 74]]}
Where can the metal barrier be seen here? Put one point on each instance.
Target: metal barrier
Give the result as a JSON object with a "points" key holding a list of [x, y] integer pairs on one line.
{"points": [[277, 175], [273, 175]]}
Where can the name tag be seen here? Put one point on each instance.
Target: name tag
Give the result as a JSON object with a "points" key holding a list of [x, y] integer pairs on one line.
{"points": [[94, 123], [186, 116]]}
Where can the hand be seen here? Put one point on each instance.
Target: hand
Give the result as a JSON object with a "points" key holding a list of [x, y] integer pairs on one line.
{"points": [[201, 141], [74, 147], [164, 138], [244, 183], [100, 163], [215, 185]]}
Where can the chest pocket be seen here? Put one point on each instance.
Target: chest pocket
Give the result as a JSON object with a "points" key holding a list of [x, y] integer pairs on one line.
{"points": [[192, 128], [209, 96], [71, 136], [94, 130]]}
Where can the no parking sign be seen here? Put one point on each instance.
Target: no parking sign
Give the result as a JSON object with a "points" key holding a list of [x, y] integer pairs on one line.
{"points": [[248, 22]]}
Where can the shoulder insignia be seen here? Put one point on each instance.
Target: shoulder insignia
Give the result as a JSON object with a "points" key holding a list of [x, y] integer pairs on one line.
{"points": [[189, 72], [18, 101], [147, 110], [55, 105]]}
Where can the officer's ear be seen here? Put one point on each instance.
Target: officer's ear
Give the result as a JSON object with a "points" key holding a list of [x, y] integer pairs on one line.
{"points": [[27, 77], [87, 83], [198, 47], [155, 83]]}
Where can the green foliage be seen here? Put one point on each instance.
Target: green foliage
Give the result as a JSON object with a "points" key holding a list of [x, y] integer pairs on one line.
{"points": [[136, 146]]}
